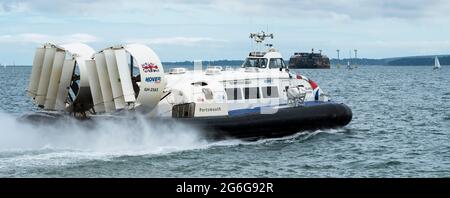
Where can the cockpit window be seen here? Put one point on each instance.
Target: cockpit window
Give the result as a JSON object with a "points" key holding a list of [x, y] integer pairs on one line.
{"points": [[276, 63], [255, 62]]}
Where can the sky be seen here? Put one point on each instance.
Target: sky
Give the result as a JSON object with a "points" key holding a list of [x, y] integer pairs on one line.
{"points": [[219, 29]]}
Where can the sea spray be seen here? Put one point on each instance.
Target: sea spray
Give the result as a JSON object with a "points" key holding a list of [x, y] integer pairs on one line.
{"points": [[138, 135], [25, 148], [131, 137]]}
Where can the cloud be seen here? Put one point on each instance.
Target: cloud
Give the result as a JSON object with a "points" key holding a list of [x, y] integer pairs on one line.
{"points": [[299, 9], [43, 38], [180, 41], [9, 6], [396, 48], [377, 27], [77, 7], [422, 46], [337, 9]]}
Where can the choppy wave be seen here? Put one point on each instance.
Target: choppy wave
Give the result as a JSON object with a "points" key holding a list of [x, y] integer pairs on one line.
{"points": [[298, 137], [400, 129], [124, 137], [25, 145]]}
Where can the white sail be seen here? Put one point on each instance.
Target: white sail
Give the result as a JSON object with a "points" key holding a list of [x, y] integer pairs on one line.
{"points": [[45, 76], [113, 72], [64, 84], [55, 79], [125, 75], [36, 72], [105, 83], [437, 64], [94, 84]]}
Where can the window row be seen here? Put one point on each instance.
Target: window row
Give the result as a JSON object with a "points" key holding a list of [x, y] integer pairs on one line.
{"points": [[262, 63], [251, 93]]}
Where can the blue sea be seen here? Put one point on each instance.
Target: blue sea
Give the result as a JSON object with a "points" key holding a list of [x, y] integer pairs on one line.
{"points": [[400, 128]]}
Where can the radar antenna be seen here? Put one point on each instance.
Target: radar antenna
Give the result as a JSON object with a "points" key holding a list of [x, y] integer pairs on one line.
{"points": [[260, 37]]}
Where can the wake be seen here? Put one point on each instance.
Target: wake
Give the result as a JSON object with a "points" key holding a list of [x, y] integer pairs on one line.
{"points": [[107, 136], [25, 145]]}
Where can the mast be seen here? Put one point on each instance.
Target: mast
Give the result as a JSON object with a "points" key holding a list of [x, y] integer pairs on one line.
{"points": [[349, 58], [338, 59], [259, 38]]}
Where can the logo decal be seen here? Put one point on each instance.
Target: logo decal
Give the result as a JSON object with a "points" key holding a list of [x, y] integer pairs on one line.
{"points": [[153, 79], [150, 67]]}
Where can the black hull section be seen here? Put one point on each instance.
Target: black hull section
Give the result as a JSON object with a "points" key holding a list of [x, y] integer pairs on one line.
{"points": [[285, 122]]}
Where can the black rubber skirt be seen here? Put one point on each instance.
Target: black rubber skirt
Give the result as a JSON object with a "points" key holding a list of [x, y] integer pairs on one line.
{"points": [[286, 121]]}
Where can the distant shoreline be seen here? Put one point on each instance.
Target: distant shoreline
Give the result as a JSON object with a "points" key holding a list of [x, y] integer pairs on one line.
{"points": [[173, 65], [400, 61]]}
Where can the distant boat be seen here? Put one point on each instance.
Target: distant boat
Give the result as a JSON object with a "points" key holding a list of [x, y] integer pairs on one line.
{"points": [[349, 66], [437, 64]]}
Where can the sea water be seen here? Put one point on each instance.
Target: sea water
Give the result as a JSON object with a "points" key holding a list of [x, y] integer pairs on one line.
{"points": [[400, 128]]}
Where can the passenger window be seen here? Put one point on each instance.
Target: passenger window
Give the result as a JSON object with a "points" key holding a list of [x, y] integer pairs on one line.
{"points": [[270, 92], [251, 93], [276, 63], [208, 93], [233, 93], [255, 62]]}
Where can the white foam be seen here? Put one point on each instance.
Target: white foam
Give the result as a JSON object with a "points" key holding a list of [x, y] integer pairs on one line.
{"points": [[105, 136], [25, 145]]}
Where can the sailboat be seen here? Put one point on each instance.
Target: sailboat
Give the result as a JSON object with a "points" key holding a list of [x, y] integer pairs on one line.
{"points": [[437, 64], [338, 66], [349, 66]]}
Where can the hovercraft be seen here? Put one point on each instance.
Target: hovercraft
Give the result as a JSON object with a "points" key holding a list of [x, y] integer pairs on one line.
{"points": [[262, 98]]}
